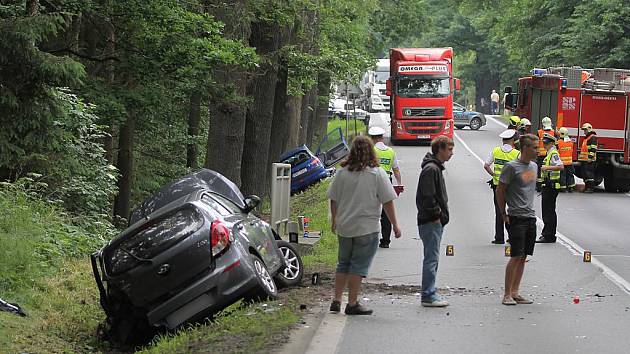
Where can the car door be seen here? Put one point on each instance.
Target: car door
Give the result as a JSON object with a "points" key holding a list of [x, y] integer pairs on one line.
{"points": [[333, 148], [458, 114], [256, 233]]}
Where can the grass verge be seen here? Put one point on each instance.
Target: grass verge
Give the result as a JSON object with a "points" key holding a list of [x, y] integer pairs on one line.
{"points": [[352, 129]]}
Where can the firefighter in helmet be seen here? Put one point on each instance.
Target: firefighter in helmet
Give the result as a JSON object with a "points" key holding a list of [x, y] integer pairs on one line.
{"points": [[588, 156], [550, 174], [565, 149], [542, 152], [513, 123], [525, 126]]}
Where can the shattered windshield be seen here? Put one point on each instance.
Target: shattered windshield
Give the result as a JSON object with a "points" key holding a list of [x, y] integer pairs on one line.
{"points": [[415, 86]]}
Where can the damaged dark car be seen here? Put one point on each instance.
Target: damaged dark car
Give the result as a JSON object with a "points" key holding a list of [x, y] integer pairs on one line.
{"points": [[191, 249]]}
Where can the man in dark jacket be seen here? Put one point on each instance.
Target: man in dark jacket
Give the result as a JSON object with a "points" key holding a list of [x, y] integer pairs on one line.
{"points": [[432, 204]]}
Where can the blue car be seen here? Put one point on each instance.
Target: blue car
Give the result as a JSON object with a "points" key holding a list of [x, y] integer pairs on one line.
{"points": [[308, 168]]}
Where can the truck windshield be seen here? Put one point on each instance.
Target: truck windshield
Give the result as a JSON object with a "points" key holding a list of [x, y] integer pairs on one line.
{"points": [[381, 76], [423, 86]]}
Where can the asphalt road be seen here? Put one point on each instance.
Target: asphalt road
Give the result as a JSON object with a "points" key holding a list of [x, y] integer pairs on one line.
{"points": [[472, 280]]}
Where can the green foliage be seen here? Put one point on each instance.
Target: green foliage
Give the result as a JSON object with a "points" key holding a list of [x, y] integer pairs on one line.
{"points": [[35, 236], [29, 105]]}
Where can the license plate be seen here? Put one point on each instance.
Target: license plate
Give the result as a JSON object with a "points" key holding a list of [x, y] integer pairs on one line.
{"points": [[424, 136], [300, 172]]}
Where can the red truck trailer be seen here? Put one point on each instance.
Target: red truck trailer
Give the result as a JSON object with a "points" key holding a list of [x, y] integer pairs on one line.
{"points": [[574, 96], [421, 87]]}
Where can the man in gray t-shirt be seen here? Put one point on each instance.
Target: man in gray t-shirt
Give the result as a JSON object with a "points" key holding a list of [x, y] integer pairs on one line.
{"points": [[517, 187]]}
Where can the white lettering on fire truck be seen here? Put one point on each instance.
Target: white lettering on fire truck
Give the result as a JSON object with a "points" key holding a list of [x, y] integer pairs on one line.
{"points": [[568, 103], [605, 98]]}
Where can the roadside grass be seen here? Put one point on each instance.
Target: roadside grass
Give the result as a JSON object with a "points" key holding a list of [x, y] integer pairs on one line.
{"points": [[313, 204], [352, 130]]}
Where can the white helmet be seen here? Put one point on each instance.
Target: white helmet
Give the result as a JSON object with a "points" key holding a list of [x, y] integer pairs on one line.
{"points": [[587, 126], [546, 123], [376, 131]]}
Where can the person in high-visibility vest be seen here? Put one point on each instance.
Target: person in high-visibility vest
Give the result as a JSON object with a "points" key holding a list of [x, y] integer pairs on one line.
{"points": [[550, 172], [388, 162], [542, 153], [524, 127], [565, 149], [498, 157], [588, 156]]}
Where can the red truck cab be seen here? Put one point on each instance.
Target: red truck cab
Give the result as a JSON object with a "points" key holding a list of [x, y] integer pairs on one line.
{"points": [[421, 86]]}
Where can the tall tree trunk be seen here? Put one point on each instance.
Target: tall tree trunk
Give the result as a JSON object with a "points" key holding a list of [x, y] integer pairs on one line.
{"points": [[125, 166], [194, 117], [309, 108], [226, 131], [294, 110], [280, 123], [323, 95], [266, 38], [32, 7], [110, 51]]}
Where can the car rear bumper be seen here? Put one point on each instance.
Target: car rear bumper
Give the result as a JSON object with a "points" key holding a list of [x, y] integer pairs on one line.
{"points": [[232, 277]]}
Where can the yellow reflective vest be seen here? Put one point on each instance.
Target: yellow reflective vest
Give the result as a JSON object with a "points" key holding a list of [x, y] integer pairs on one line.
{"points": [[385, 159], [500, 159]]}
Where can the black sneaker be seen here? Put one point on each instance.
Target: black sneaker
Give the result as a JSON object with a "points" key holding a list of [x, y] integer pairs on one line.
{"points": [[335, 306], [383, 245], [544, 239], [357, 309], [497, 242]]}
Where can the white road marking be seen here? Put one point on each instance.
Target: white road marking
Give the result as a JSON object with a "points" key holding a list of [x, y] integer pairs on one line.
{"points": [[573, 247], [328, 335]]}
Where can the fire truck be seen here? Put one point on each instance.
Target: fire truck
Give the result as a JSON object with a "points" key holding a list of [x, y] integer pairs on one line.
{"points": [[574, 96], [421, 87]]}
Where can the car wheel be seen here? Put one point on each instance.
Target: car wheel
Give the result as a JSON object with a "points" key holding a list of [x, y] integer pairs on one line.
{"points": [[266, 288], [292, 273], [475, 124]]}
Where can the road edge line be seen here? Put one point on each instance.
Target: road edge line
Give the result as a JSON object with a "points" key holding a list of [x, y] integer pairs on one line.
{"points": [[328, 335], [615, 278]]}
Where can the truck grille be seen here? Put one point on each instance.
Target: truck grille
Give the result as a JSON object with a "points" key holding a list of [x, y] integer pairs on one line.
{"points": [[424, 127], [423, 112]]}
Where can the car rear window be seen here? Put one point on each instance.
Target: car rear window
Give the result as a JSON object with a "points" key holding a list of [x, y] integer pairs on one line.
{"points": [[297, 158]]}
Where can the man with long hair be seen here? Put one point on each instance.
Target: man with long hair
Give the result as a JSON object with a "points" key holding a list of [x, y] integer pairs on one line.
{"points": [[358, 193], [432, 204]]}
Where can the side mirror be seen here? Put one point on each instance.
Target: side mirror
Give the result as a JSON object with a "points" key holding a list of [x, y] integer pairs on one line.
{"points": [[251, 202], [388, 87], [457, 85]]}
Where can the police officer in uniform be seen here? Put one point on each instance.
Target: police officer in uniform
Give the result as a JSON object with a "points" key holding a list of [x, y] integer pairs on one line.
{"points": [[588, 156], [542, 153], [550, 174], [387, 159], [499, 156]]}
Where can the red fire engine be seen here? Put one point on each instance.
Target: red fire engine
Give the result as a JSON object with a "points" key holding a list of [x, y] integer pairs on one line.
{"points": [[421, 86], [574, 96]]}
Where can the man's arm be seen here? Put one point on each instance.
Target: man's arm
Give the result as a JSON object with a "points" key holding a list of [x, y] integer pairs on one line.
{"points": [[397, 175], [501, 201], [488, 169]]}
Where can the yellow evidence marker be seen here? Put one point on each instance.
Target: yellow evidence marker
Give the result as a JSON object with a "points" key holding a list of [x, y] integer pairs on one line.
{"points": [[587, 256], [508, 251], [450, 250]]}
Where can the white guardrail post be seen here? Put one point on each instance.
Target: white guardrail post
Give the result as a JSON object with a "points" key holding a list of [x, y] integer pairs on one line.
{"points": [[280, 197]]}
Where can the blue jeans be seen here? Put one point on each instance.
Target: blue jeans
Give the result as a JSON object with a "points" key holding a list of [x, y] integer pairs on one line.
{"points": [[431, 235]]}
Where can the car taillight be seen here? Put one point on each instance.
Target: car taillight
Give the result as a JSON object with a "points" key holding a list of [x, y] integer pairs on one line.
{"points": [[219, 238]]}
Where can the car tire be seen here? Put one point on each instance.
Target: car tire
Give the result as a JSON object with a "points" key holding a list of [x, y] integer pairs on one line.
{"points": [[265, 288], [291, 275], [126, 324], [475, 123]]}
